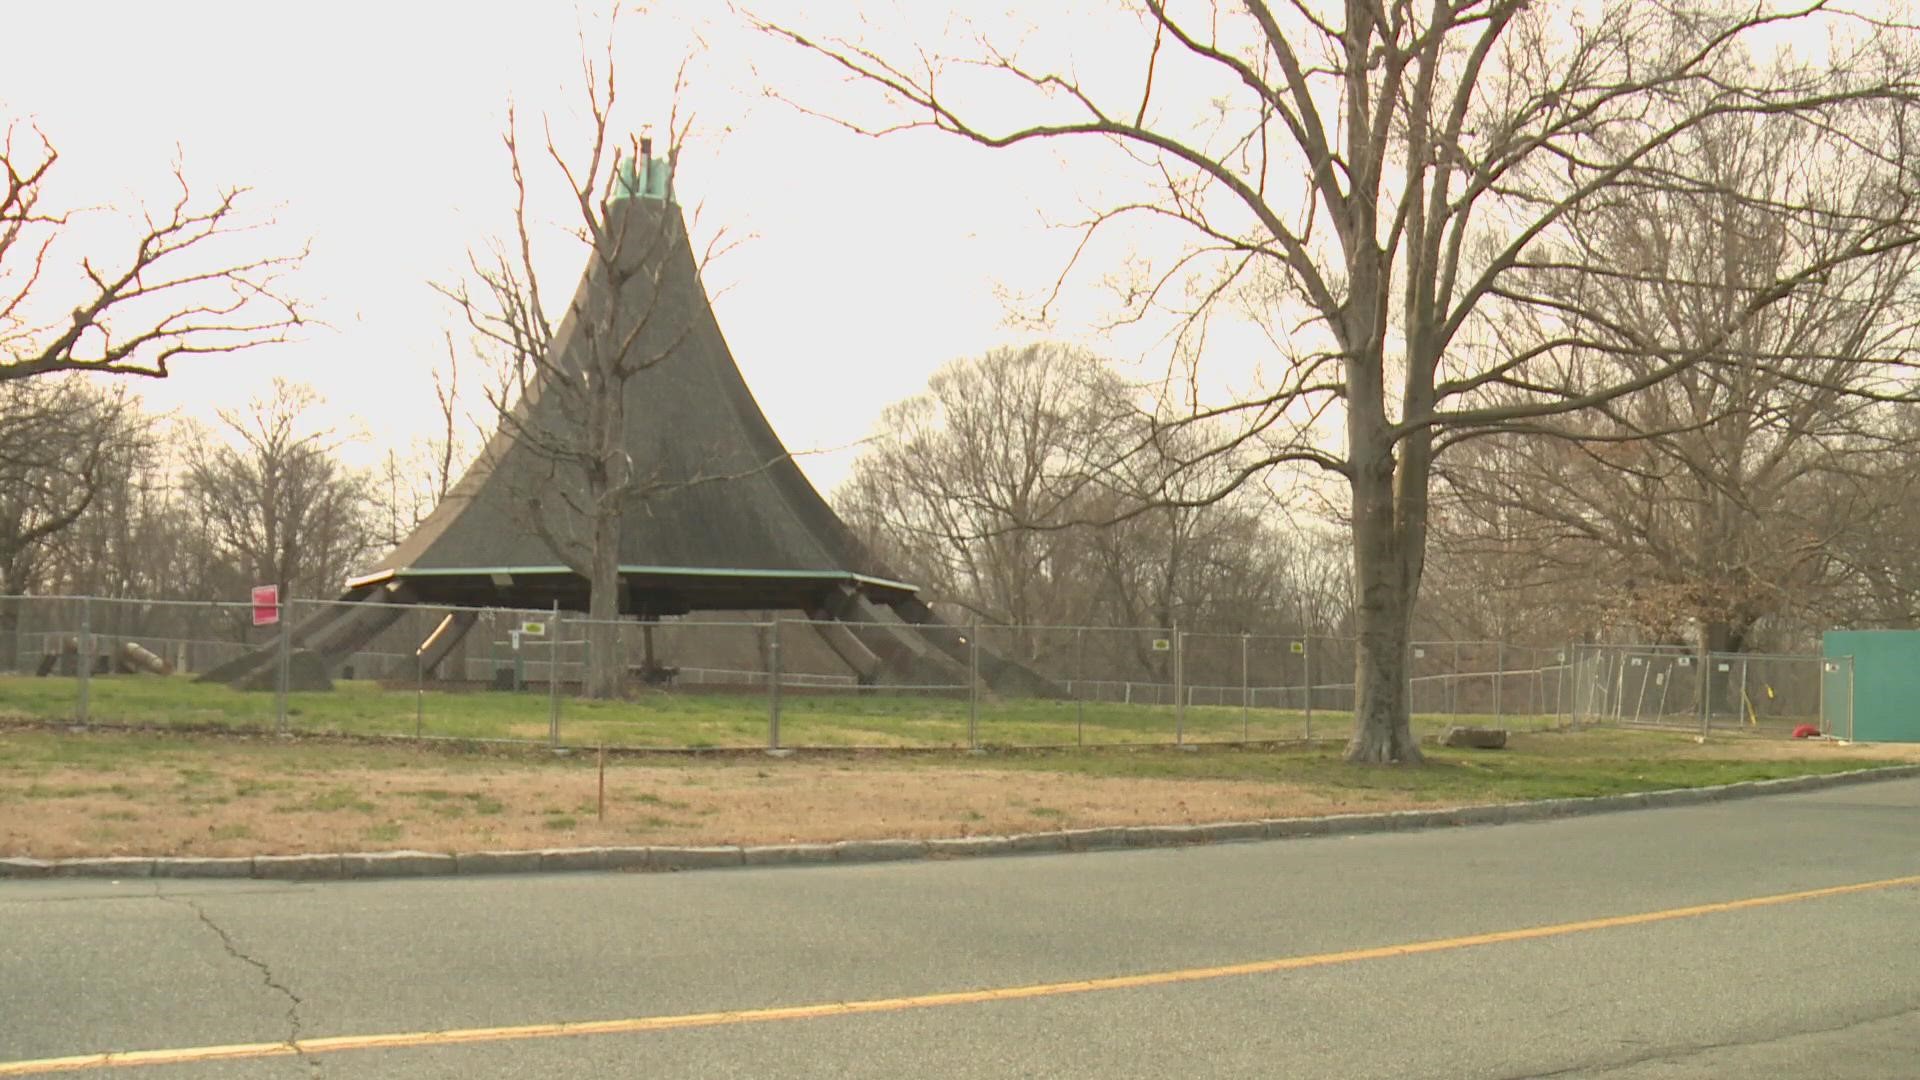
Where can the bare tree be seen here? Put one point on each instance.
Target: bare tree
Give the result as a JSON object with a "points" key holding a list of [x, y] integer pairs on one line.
{"points": [[64, 444], [409, 486], [968, 484], [621, 327], [1713, 499], [982, 489], [185, 285], [1381, 183], [275, 503]]}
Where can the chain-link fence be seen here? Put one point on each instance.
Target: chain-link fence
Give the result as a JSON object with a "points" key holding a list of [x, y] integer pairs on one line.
{"points": [[1678, 687], [773, 679]]}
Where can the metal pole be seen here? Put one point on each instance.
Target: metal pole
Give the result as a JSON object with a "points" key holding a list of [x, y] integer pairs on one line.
{"points": [[1850, 674], [773, 685], [1246, 723], [1453, 684], [1499, 677], [1179, 686], [1306, 668], [1646, 675], [1079, 691], [1537, 690], [1562, 699], [1706, 685], [286, 651], [83, 658], [973, 687], [419, 691], [553, 678], [1745, 701]]}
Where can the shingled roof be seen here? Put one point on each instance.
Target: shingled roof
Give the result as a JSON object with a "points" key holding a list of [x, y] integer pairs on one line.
{"points": [[730, 523]]}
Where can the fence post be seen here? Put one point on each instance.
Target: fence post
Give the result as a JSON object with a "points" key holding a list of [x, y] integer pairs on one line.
{"points": [[1499, 677], [419, 690], [1536, 689], [83, 658], [1079, 689], [553, 678], [1565, 688], [1706, 685], [1179, 686], [973, 687], [773, 685], [285, 646], [1850, 674], [1746, 703], [1306, 669], [1453, 684], [1246, 721]]}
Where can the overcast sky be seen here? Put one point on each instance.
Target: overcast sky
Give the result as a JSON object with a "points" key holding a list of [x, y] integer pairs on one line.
{"points": [[372, 129]]}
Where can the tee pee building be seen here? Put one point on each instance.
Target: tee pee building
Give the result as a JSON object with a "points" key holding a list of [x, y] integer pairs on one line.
{"points": [[714, 516]]}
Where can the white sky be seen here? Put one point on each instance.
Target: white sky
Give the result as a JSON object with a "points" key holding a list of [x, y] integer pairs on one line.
{"points": [[373, 129]]}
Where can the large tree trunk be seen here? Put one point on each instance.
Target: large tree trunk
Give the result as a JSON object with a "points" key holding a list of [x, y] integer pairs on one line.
{"points": [[1720, 694], [606, 674], [1382, 724], [10, 634]]}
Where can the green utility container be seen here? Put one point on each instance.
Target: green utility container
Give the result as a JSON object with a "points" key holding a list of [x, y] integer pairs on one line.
{"points": [[1874, 696]]}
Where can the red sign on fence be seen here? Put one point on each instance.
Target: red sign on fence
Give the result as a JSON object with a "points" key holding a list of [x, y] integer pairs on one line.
{"points": [[266, 605]]}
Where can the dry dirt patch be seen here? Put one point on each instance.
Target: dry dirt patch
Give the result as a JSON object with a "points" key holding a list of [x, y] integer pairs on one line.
{"points": [[63, 796], [150, 810]]}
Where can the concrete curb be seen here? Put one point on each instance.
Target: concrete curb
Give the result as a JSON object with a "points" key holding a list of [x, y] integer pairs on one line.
{"points": [[392, 864]]}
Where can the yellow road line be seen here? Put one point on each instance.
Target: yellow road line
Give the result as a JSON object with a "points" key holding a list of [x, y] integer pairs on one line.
{"points": [[644, 1024]]}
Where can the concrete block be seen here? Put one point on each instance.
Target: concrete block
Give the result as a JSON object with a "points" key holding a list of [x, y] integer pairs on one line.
{"points": [[1288, 828], [1475, 738], [566, 860], [1223, 832], [787, 854], [1359, 823], [1492, 814], [386, 864], [956, 847], [22, 867], [235, 867], [627, 858], [1165, 835], [118, 866], [1094, 839], [496, 862], [297, 867], [696, 858], [878, 850]]}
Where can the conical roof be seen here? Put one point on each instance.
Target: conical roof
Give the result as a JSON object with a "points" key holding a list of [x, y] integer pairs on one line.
{"points": [[727, 520]]}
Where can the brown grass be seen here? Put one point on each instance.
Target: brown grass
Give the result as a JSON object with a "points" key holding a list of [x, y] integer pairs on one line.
{"points": [[72, 795], [150, 810]]}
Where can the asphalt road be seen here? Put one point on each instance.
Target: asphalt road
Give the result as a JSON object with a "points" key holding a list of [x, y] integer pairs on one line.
{"points": [[1825, 986]]}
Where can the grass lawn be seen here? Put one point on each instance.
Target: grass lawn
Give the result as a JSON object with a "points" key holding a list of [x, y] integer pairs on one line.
{"points": [[65, 794], [686, 718]]}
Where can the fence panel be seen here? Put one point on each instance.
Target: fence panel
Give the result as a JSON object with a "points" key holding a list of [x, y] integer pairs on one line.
{"points": [[1669, 686], [858, 684], [123, 661], [444, 672], [678, 683]]}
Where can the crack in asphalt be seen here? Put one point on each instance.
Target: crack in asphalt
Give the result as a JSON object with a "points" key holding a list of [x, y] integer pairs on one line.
{"points": [[294, 1023], [1681, 1052]]}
